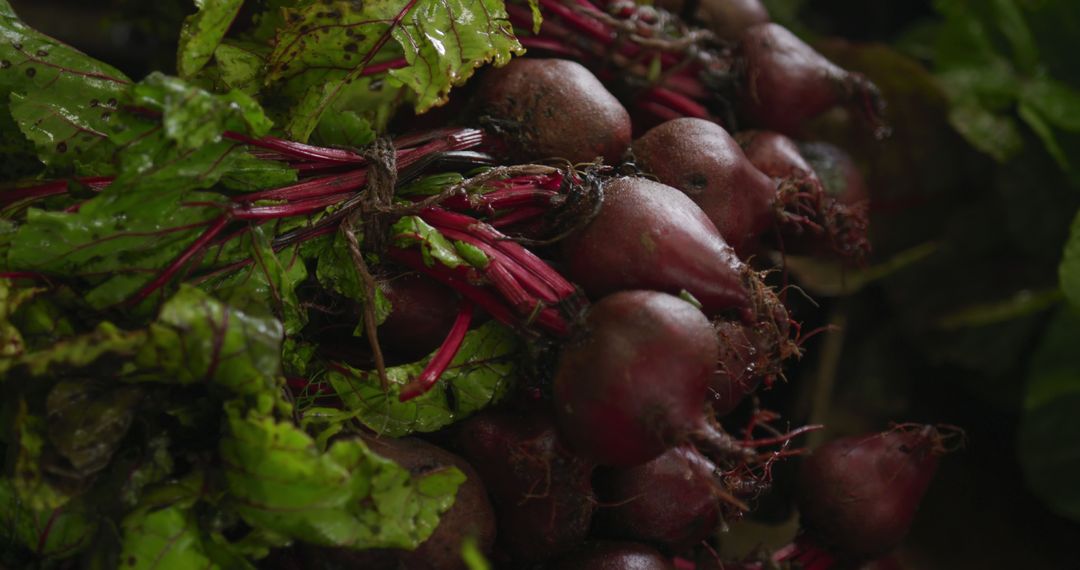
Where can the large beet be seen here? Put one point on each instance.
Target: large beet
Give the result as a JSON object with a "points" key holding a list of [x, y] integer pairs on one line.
{"points": [[671, 501], [700, 158], [859, 495], [634, 384], [554, 108], [784, 82], [651, 236], [728, 19], [542, 493], [610, 555]]}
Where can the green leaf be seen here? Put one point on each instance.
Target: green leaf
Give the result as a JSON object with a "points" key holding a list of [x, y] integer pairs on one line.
{"points": [[202, 32], [268, 285], [477, 377], [194, 117], [412, 230], [117, 241], [996, 135], [51, 534], [1045, 131], [1056, 102], [472, 555], [31, 483], [164, 539], [55, 83], [240, 65], [1069, 269], [11, 340], [1049, 433], [323, 55], [198, 339], [88, 419], [346, 496], [446, 40], [70, 132], [78, 351]]}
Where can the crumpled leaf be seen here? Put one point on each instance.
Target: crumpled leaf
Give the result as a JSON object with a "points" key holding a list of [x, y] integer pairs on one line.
{"points": [[478, 376], [1069, 269], [202, 32], [11, 340], [164, 539], [66, 89], [347, 496], [1049, 433], [28, 437], [198, 339], [88, 419], [268, 284], [324, 53], [194, 117], [81, 350], [240, 65], [51, 534]]}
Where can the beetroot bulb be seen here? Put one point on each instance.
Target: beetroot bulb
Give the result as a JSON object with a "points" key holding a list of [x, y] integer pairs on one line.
{"points": [[634, 381], [553, 108], [784, 82], [700, 158], [541, 491], [858, 495], [650, 236], [728, 19], [674, 501], [842, 217], [838, 172], [612, 555]]}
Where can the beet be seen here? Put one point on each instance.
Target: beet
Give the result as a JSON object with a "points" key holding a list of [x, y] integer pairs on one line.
{"points": [[470, 516], [650, 236], [423, 312], [837, 171], [611, 555], [634, 384], [671, 501], [842, 219], [749, 355], [728, 19], [858, 495], [554, 108], [700, 158], [784, 82], [542, 493]]}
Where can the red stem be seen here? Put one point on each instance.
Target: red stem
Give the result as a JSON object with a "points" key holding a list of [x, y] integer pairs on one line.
{"points": [[517, 216], [443, 356], [196, 246]]}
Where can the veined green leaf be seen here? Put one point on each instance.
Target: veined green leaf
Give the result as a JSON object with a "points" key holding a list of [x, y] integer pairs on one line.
{"points": [[164, 539], [51, 534], [202, 32], [346, 496], [479, 375]]}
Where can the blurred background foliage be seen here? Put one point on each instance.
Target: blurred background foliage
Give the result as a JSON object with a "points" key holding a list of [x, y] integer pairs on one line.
{"points": [[968, 312]]}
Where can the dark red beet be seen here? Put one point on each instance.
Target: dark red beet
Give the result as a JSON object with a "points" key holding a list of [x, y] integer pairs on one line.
{"points": [[728, 19], [749, 355], [634, 385], [650, 236], [784, 82], [672, 501], [554, 108], [700, 158], [610, 555], [837, 171], [839, 225], [542, 493], [423, 312], [858, 495], [471, 516]]}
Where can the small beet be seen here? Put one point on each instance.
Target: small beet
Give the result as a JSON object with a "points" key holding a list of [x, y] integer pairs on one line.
{"points": [[700, 158], [611, 555], [635, 383], [423, 311], [542, 493], [554, 108], [728, 19], [785, 82], [838, 172], [651, 236], [672, 501], [858, 495]]}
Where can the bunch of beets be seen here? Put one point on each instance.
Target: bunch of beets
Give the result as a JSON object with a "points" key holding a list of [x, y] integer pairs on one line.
{"points": [[621, 225]]}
